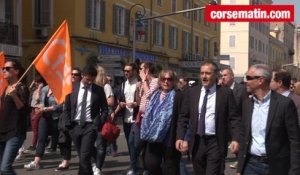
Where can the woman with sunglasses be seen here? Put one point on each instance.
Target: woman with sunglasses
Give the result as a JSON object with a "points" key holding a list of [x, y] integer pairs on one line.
{"points": [[158, 127], [13, 115]]}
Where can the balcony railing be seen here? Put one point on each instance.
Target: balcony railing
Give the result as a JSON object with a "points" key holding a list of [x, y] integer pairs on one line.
{"points": [[8, 34]]}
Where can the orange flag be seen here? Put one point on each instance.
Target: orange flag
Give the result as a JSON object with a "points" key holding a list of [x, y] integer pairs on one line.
{"points": [[3, 83], [54, 63]]}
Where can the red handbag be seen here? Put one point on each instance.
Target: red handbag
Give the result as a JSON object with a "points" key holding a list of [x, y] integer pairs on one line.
{"points": [[110, 131]]}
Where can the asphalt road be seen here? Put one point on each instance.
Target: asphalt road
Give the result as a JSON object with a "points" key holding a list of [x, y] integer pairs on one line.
{"points": [[113, 165]]}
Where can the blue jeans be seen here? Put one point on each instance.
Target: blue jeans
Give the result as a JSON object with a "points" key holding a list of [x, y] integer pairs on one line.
{"points": [[254, 167], [8, 153], [42, 136], [134, 138]]}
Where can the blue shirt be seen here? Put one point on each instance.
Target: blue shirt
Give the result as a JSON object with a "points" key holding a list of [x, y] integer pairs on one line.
{"points": [[259, 124]]}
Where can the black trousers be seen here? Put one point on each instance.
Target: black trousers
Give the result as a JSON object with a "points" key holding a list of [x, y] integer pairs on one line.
{"points": [[207, 158], [100, 151], [84, 139], [161, 160]]}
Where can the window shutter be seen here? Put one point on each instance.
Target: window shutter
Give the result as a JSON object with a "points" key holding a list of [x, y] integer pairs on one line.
{"points": [[154, 32], [88, 13], [163, 34], [183, 43], [9, 11], [102, 16], [115, 16], [126, 22], [45, 13], [176, 36], [170, 37]]}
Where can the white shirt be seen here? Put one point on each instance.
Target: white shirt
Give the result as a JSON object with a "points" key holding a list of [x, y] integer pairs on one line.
{"points": [[129, 92], [108, 91], [88, 103], [210, 124], [259, 124], [286, 93]]}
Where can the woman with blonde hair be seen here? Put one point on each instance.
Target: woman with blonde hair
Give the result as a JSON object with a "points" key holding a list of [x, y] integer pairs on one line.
{"points": [[101, 143]]}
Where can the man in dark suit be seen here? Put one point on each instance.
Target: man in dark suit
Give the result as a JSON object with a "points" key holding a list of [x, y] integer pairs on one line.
{"points": [[208, 108], [281, 83], [270, 135], [239, 93], [85, 112]]}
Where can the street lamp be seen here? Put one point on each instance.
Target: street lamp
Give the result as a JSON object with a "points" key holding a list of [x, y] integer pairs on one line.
{"points": [[138, 15]]}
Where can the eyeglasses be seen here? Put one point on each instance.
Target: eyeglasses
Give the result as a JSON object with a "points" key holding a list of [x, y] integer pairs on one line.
{"points": [[6, 68], [127, 70], [166, 79], [76, 74], [249, 78]]}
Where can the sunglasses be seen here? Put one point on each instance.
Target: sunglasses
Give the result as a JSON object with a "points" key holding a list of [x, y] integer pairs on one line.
{"points": [[6, 68], [249, 78], [127, 70], [166, 79], [76, 74]]}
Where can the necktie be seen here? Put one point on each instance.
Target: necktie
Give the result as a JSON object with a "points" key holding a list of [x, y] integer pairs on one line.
{"points": [[201, 125], [83, 107]]}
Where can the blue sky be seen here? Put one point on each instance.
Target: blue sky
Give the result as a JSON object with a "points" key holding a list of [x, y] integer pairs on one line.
{"points": [[297, 7]]}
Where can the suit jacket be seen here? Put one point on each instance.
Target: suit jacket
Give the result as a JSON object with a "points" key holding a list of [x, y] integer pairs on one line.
{"points": [[282, 140], [296, 100], [239, 93], [225, 112], [99, 108]]}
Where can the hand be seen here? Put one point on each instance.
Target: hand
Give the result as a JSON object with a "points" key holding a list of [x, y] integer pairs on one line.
{"points": [[181, 146], [234, 147], [122, 104], [131, 105], [112, 116], [11, 90]]}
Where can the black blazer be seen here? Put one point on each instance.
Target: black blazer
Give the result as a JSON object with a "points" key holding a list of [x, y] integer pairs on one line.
{"points": [[282, 136], [240, 94], [226, 114], [99, 108]]}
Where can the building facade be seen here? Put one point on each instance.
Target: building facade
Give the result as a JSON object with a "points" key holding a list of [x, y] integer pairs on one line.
{"points": [[245, 43], [102, 32], [11, 28]]}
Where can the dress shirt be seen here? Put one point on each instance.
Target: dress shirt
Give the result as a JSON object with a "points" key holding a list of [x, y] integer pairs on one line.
{"points": [[88, 117], [259, 124], [129, 92], [286, 93], [210, 124]]}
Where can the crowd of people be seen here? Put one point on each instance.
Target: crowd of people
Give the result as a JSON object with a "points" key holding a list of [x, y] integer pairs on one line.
{"points": [[164, 117]]}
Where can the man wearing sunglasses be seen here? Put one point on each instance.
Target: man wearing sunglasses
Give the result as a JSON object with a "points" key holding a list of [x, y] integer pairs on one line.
{"points": [[76, 75], [270, 135]]}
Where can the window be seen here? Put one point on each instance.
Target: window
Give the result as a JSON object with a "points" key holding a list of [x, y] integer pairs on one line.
{"points": [[207, 24], [232, 23], [197, 49], [143, 37], [251, 42], [95, 14], [120, 23], [216, 26], [231, 41], [42, 10], [206, 48], [6, 11], [186, 5], [186, 41], [159, 2], [259, 46], [255, 44], [232, 62], [158, 37], [173, 37], [216, 49], [174, 5], [197, 14]]}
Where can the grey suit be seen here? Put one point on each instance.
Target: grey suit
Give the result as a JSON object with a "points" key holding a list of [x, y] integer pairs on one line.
{"points": [[282, 140]]}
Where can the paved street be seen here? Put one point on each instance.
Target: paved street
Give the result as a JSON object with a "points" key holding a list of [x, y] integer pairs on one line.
{"points": [[113, 165]]}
